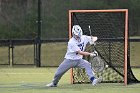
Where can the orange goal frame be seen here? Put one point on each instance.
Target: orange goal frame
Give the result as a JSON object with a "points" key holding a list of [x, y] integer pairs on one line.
{"points": [[126, 35]]}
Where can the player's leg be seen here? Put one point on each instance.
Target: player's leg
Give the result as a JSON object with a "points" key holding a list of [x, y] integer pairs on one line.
{"points": [[63, 67], [85, 64]]}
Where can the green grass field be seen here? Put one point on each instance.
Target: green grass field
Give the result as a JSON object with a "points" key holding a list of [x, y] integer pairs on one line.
{"points": [[33, 80]]}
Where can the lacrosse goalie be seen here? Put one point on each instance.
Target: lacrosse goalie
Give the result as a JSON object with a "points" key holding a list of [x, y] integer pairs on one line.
{"points": [[74, 55]]}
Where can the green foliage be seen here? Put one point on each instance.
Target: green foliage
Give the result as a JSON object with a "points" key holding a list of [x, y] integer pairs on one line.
{"points": [[18, 17]]}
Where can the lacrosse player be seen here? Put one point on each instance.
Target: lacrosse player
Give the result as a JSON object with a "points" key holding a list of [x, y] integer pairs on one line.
{"points": [[73, 56]]}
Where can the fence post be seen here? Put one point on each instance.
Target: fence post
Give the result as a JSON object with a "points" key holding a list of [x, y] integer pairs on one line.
{"points": [[11, 53], [38, 39]]}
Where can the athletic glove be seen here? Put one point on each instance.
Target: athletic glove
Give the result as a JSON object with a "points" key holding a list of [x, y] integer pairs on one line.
{"points": [[94, 54], [92, 41]]}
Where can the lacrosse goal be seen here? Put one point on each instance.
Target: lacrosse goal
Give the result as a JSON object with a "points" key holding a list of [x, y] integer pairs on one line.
{"points": [[111, 28]]}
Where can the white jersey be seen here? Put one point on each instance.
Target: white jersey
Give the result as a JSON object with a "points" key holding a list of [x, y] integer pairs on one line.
{"points": [[74, 46]]}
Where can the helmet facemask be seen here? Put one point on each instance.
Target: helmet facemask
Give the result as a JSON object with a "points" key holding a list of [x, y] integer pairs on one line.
{"points": [[77, 32]]}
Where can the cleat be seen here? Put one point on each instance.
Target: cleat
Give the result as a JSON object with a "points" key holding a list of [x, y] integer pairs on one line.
{"points": [[51, 85], [96, 81]]}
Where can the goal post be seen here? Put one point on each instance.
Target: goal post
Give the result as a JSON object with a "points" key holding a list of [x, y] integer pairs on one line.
{"points": [[126, 47], [111, 28]]}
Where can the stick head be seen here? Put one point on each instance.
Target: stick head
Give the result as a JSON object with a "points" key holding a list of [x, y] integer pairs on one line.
{"points": [[97, 64]]}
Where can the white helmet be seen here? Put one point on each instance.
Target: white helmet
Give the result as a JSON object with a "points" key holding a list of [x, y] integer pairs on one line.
{"points": [[77, 31]]}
